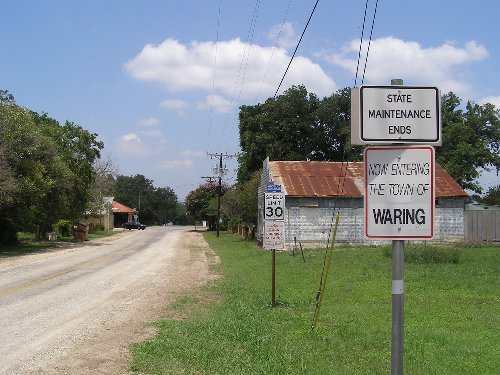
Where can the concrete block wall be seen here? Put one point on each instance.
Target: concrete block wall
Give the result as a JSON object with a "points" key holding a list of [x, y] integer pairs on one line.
{"points": [[448, 224], [313, 225]]}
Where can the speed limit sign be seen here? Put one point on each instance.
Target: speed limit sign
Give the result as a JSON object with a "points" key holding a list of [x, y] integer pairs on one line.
{"points": [[274, 207]]}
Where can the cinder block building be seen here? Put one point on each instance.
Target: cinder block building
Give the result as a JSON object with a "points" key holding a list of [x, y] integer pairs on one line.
{"points": [[315, 191]]}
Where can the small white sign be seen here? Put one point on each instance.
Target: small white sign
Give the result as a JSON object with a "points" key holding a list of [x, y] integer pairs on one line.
{"points": [[396, 114], [399, 192], [274, 234], [274, 206]]}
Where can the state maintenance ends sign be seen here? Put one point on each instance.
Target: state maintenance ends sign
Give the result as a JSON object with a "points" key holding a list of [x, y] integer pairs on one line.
{"points": [[396, 114]]}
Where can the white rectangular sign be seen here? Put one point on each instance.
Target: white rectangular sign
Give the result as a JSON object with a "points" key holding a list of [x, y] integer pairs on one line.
{"points": [[396, 114], [399, 192], [274, 234], [274, 206]]}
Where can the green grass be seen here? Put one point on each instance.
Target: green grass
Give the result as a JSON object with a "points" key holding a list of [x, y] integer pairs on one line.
{"points": [[451, 316]]}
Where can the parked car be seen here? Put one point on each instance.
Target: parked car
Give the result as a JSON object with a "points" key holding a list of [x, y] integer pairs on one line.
{"points": [[133, 225]]}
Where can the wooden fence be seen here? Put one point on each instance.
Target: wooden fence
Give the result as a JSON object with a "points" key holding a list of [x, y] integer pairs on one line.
{"points": [[483, 226]]}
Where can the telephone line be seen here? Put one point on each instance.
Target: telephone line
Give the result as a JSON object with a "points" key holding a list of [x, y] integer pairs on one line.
{"points": [[296, 48]]}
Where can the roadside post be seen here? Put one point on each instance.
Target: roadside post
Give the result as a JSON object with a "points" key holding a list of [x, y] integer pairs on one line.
{"points": [[274, 229], [399, 195]]}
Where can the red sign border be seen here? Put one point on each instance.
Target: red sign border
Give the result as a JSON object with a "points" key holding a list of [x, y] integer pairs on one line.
{"points": [[433, 189]]}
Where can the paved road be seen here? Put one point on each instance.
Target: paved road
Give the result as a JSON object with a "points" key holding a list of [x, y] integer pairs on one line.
{"points": [[49, 301]]}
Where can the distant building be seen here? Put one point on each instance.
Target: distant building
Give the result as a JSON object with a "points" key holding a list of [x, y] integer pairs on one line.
{"points": [[122, 214], [111, 215], [315, 191]]}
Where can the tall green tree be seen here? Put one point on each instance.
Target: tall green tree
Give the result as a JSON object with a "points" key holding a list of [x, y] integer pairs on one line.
{"points": [[201, 203], [47, 166], [296, 126], [492, 196], [470, 140], [155, 205], [79, 149], [239, 203], [299, 126]]}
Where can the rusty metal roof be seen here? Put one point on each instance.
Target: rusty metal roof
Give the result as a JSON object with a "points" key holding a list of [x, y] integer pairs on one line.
{"points": [[326, 179], [446, 186], [121, 208]]}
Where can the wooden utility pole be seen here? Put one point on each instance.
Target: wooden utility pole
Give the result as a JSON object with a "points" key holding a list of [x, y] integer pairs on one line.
{"points": [[220, 171]]}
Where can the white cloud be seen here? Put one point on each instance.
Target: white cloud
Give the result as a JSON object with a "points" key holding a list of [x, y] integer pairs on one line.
{"points": [[283, 35], [173, 104], [130, 138], [148, 122], [192, 154], [180, 67], [394, 58], [174, 164], [131, 144], [219, 103], [495, 100]]}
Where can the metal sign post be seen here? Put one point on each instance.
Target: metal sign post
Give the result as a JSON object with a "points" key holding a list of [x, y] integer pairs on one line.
{"points": [[399, 180], [274, 229], [398, 247]]}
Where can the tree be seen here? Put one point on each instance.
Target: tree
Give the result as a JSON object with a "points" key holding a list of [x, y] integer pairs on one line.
{"points": [[36, 167], [470, 140], [296, 126], [48, 166], [155, 205], [201, 203], [79, 150], [332, 130], [164, 205], [6, 97], [299, 126], [492, 196], [280, 128], [105, 173]]}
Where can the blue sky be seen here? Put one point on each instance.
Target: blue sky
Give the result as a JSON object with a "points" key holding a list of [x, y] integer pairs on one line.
{"points": [[161, 81]]}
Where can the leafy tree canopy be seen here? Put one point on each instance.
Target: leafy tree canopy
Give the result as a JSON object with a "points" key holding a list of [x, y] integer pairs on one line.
{"points": [[155, 205], [296, 126], [201, 203], [471, 140], [239, 203], [46, 168], [492, 196], [299, 126]]}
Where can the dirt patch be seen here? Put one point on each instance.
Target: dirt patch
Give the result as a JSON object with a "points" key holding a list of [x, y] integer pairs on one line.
{"points": [[106, 351]]}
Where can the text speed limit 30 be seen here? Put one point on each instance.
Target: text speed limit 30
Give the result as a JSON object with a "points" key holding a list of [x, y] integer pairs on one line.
{"points": [[274, 208]]}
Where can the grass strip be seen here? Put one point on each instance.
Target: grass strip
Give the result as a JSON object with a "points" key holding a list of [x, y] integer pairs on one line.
{"points": [[228, 327]]}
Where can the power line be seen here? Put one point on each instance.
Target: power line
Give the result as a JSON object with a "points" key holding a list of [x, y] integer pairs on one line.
{"points": [[361, 43], [244, 58], [369, 42], [296, 48], [213, 76], [274, 49]]}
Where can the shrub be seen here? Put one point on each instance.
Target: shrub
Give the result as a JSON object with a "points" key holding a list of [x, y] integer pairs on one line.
{"points": [[64, 227], [97, 228]]}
